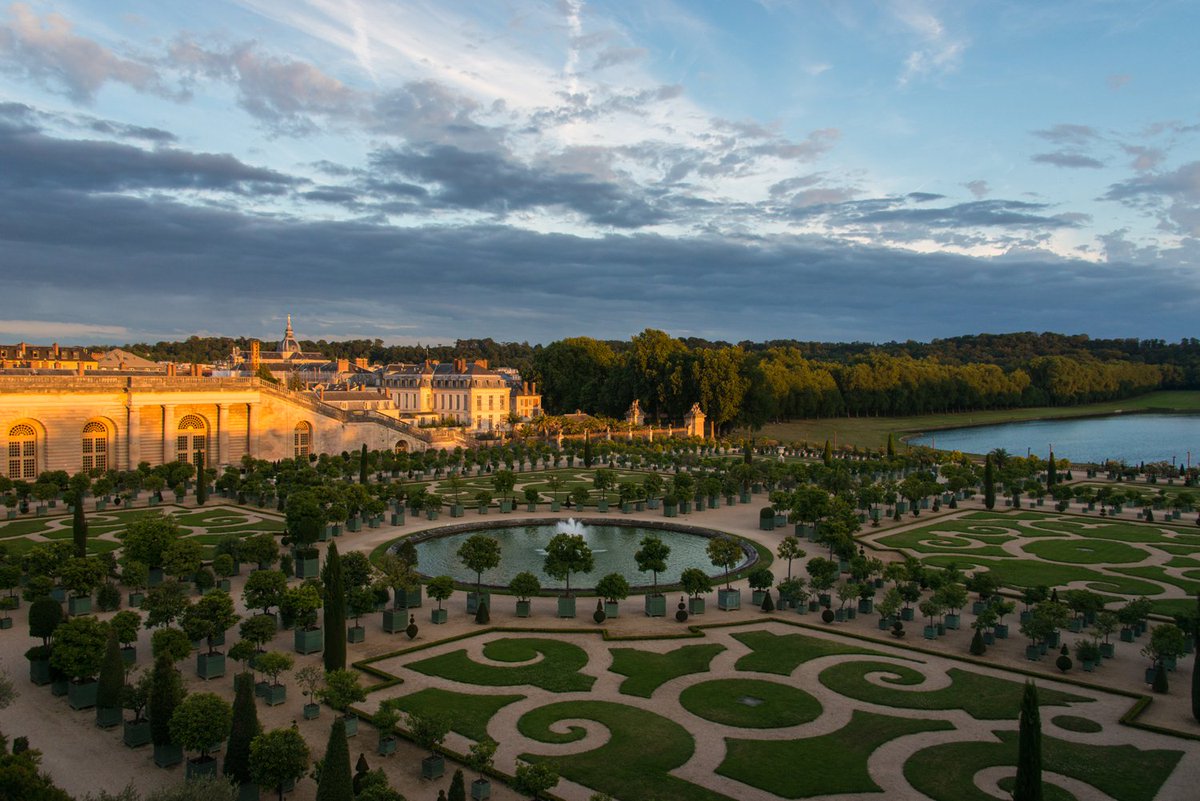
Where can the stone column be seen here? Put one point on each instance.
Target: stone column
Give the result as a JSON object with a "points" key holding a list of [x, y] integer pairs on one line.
{"points": [[252, 429], [168, 433], [133, 435], [222, 435]]}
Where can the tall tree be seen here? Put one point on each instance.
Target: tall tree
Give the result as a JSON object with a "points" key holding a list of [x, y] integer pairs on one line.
{"points": [[201, 480], [989, 483], [1051, 472], [111, 681], [336, 783], [243, 729], [1028, 786], [79, 527], [891, 445], [362, 465], [827, 455], [166, 691], [335, 610]]}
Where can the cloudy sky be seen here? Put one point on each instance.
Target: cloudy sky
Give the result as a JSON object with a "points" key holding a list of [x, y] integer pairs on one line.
{"points": [[729, 169]]}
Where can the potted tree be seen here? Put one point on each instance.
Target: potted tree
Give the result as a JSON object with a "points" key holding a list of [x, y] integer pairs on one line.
{"points": [[695, 583], [613, 588], [1088, 654], [429, 731], [531, 499], [384, 720], [80, 576], [525, 586], [931, 608], [225, 568], [79, 645], [1106, 623], [725, 552], [343, 688], [822, 575], [567, 554], [359, 601], [484, 499], [889, 607], [479, 553], [300, 604], [199, 721], [652, 556], [440, 589], [311, 678], [45, 615], [533, 780], [126, 624], [208, 619], [278, 759], [760, 581], [135, 696], [479, 759], [1002, 607], [273, 663]]}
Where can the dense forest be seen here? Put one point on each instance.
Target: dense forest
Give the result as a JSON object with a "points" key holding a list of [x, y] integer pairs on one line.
{"points": [[755, 382]]}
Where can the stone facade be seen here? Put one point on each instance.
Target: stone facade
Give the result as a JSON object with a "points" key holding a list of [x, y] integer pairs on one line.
{"points": [[115, 422]]}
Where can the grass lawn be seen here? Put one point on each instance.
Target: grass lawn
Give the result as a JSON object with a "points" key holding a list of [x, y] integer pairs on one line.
{"points": [[1073, 723], [945, 772], [21, 528], [1085, 552], [634, 763], [468, 714], [783, 653], [750, 703], [1028, 573], [556, 671], [647, 671], [981, 697], [826, 765], [872, 432]]}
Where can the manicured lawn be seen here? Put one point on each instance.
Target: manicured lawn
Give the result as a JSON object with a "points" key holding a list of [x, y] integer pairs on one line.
{"points": [[783, 653], [981, 697], [635, 762], [945, 772], [750, 703], [1029, 573], [21, 528], [826, 765], [556, 671], [1073, 723], [647, 671], [468, 714], [1085, 552]]}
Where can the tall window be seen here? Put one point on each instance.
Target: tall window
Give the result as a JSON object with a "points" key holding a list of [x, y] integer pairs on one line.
{"points": [[95, 446], [22, 452], [302, 440], [192, 440]]}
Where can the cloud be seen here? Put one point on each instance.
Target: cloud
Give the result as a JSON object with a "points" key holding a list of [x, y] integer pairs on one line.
{"points": [[1145, 158], [1064, 158], [1118, 81], [46, 50], [1069, 134], [613, 56], [37, 330], [940, 51], [980, 213], [979, 188], [1174, 196]]}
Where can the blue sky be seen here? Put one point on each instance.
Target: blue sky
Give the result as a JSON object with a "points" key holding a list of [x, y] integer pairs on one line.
{"points": [[422, 171]]}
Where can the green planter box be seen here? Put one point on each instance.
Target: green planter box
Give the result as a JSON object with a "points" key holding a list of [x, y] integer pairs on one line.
{"points": [[670, 510], [81, 605], [397, 518], [931, 632], [82, 695], [952, 622], [308, 641], [611, 609], [39, 671], [351, 724], [566, 607], [437, 615], [210, 666], [473, 601], [201, 767], [656, 605], [356, 634], [433, 767], [108, 717], [523, 608], [274, 694], [456, 510], [312, 711], [1001, 631], [387, 746], [766, 524], [907, 613], [135, 735], [555, 506], [1033, 653], [6, 623], [866, 605], [481, 790], [601, 506], [413, 598], [757, 596], [729, 600], [308, 568], [696, 606], [167, 756], [626, 508], [395, 620]]}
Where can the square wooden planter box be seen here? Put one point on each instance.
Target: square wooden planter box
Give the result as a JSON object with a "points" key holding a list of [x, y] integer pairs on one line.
{"points": [[481, 790], [433, 767], [656, 605], [275, 694], [136, 734], [210, 666], [82, 695], [611, 609], [308, 641], [356, 634], [566, 607], [166, 756], [729, 600], [696, 606], [437, 616], [523, 608], [395, 620], [473, 601]]}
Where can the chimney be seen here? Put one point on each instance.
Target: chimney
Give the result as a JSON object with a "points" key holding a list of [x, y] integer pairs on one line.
{"points": [[481, 363], [343, 365], [170, 368], [196, 369], [55, 346], [361, 361], [79, 368]]}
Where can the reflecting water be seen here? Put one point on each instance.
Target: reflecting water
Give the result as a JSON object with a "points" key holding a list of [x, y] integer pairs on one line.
{"points": [[524, 548], [1133, 438]]}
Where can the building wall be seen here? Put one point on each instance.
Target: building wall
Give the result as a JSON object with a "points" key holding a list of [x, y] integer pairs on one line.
{"points": [[142, 417]]}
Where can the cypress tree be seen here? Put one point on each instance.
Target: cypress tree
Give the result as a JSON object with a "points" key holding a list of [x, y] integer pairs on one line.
{"points": [[1160, 685], [335, 611], [362, 465], [827, 455], [112, 677], [79, 527], [244, 728], [1051, 472], [587, 449], [977, 646], [989, 483], [748, 452], [201, 481], [336, 783], [361, 771], [1028, 786], [166, 691], [458, 787], [891, 445]]}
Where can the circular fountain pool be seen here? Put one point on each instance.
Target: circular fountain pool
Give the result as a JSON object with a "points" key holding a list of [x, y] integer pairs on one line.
{"points": [[523, 547]]}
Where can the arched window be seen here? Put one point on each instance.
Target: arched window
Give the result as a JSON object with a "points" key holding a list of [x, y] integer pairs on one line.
{"points": [[22, 452], [95, 446], [302, 440], [191, 444], [401, 446]]}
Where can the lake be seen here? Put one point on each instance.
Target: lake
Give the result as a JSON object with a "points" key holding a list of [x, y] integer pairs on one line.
{"points": [[1132, 438]]}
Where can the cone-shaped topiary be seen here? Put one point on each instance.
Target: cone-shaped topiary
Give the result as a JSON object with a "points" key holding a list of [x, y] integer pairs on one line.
{"points": [[481, 613], [335, 610], [458, 787], [1028, 786], [79, 527], [243, 728], [111, 680], [977, 646], [1160, 684], [336, 783], [361, 771], [166, 692], [768, 605]]}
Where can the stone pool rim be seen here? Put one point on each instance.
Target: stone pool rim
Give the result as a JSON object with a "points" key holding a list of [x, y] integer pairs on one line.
{"points": [[753, 552]]}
